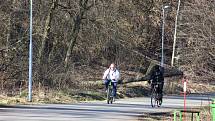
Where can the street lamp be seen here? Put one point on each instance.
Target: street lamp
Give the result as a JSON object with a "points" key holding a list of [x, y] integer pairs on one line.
{"points": [[30, 57], [162, 39]]}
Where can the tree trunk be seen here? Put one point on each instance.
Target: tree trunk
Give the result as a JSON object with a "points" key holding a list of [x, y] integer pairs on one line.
{"points": [[73, 39], [42, 51], [76, 29]]}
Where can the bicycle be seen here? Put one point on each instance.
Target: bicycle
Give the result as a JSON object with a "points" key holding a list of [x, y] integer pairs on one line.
{"points": [[156, 98], [110, 97]]}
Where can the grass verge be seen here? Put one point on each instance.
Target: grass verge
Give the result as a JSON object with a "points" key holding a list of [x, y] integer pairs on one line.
{"points": [[205, 115]]}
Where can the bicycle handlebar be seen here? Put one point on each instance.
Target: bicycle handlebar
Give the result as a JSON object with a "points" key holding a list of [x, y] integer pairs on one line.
{"points": [[156, 83]]}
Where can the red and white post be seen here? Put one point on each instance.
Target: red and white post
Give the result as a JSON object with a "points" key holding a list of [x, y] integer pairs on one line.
{"points": [[184, 81]]}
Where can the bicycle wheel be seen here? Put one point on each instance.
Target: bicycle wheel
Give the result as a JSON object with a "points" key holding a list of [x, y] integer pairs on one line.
{"points": [[153, 98], [108, 95], [111, 95], [159, 101]]}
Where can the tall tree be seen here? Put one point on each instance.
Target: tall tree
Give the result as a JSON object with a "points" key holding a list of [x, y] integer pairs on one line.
{"points": [[46, 41], [83, 8]]}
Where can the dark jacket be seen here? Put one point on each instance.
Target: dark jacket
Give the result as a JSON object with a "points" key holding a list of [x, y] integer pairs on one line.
{"points": [[157, 75]]}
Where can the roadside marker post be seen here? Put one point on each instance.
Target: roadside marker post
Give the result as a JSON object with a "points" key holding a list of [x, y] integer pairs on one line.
{"points": [[183, 111], [184, 81]]}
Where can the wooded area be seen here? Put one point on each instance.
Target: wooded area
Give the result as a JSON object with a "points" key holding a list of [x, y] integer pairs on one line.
{"points": [[75, 40]]}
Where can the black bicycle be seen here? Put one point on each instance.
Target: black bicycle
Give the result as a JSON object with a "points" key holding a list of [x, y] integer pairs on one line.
{"points": [[110, 97], [156, 98]]}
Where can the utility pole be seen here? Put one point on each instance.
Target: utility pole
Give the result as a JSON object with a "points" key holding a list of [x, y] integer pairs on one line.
{"points": [[30, 57], [174, 40], [162, 39]]}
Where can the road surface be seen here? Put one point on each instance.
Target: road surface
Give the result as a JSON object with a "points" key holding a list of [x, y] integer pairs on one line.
{"points": [[121, 110]]}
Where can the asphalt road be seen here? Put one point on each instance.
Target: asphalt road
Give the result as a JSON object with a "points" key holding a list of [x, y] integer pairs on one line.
{"points": [[121, 110]]}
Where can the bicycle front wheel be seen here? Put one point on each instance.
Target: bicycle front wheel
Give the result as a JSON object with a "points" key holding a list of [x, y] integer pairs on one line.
{"points": [[153, 98], [108, 95]]}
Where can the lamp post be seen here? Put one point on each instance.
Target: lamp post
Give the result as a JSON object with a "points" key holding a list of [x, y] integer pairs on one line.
{"points": [[162, 38], [30, 57]]}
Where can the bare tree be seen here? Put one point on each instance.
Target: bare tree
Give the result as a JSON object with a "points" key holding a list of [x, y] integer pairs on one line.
{"points": [[45, 49], [83, 8], [196, 40]]}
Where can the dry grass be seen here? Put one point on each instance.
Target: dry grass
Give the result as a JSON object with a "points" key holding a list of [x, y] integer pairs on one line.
{"points": [[75, 95], [163, 116], [37, 98], [205, 115]]}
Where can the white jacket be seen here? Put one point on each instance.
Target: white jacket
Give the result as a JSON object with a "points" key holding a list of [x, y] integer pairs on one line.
{"points": [[111, 74]]}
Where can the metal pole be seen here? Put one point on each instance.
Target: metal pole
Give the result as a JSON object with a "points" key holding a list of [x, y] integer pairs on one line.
{"points": [[162, 39], [30, 58], [174, 40]]}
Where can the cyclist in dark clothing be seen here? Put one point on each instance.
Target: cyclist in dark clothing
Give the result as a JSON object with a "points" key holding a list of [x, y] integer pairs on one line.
{"points": [[157, 77]]}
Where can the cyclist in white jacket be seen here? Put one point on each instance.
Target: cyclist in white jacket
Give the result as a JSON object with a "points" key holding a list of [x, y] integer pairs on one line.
{"points": [[113, 75]]}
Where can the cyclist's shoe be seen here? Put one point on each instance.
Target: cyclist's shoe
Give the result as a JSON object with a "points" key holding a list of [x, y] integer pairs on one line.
{"points": [[160, 102]]}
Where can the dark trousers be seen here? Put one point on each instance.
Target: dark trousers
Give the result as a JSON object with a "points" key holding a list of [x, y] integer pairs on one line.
{"points": [[114, 86]]}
